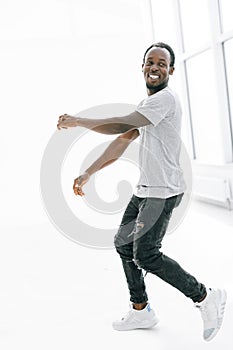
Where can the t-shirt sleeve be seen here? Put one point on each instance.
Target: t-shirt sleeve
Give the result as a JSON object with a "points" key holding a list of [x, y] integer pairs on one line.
{"points": [[155, 107]]}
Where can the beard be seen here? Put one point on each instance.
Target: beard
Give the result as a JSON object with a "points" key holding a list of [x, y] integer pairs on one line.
{"points": [[156, 88]]}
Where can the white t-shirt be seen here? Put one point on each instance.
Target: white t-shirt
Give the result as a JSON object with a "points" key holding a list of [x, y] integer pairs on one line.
{"points": [[160, 144]]}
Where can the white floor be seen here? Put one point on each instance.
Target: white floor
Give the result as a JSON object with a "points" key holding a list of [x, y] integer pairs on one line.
{"points": [[56, 294]]}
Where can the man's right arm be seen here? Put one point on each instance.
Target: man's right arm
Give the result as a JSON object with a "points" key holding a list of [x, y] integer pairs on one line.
{"points": [[113, 151], [110, 155]]}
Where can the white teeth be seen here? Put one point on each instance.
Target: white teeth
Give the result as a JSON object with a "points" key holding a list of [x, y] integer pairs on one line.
{"points": [[153, 76]]}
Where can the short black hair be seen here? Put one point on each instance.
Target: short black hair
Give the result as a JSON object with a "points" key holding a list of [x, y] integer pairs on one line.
{"points": [[163, 46]]}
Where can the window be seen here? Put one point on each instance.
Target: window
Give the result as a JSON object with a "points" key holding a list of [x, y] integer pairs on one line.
{"points": [[204, 108], [226, 15], [228, 46], [204, 51], [195, 23]]}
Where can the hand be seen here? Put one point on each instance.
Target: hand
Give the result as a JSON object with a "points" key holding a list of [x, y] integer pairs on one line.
{"points": [[66, 121], [79, 182]]}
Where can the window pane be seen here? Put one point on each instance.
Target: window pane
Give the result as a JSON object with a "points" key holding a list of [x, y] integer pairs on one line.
{"points": [[164, 26], [229, 59], [204, 109], [195, 22], [226, 12]]}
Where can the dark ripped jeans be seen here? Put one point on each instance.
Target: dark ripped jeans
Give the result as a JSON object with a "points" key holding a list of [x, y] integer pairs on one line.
{"points": [[138, 241]]}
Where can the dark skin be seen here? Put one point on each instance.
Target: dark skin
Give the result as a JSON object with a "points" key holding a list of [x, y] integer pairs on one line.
{"points": [[157, 69]]}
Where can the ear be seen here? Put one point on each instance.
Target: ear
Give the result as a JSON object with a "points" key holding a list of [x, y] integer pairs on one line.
{"points": [[143, 66], [171, 70]]}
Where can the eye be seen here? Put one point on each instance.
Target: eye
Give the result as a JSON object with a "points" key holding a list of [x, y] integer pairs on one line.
{"points": [[162, 64], [149, 63]]}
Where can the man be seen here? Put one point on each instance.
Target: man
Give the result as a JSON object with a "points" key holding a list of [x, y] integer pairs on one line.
{"points": [[161, 186]]}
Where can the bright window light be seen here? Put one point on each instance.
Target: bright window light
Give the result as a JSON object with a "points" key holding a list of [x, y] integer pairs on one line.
{"points": [[195, 22], [228, 46], [226, 14], [204, 108]]}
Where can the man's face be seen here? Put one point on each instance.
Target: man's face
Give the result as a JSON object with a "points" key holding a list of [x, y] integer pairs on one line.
{"points": [[157, 69]]}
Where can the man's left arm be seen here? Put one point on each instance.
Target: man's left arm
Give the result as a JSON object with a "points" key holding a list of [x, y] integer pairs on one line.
{"points": [[109, 126]]}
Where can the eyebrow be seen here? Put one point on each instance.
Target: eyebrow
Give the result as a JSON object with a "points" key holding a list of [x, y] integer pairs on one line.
{"points": [[160, 59]]}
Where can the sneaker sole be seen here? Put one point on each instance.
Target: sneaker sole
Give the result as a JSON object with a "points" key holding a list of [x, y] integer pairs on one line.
{"points": [[221, 310], [145, 326]]}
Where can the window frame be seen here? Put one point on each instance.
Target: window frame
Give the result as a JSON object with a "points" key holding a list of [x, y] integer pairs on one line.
{"points": [[216, 44]]}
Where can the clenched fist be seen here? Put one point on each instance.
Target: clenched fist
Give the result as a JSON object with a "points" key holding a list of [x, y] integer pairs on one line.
{"points": [[66, 121]]}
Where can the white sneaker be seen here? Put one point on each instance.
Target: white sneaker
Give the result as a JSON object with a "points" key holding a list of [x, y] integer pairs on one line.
{"points": [[212, 311], [136, 319]]}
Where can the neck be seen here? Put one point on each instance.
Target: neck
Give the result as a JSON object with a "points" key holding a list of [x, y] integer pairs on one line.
{"points": [[153, 90]]}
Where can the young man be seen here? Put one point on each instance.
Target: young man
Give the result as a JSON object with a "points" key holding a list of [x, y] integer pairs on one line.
{"points": [[157, 120]]}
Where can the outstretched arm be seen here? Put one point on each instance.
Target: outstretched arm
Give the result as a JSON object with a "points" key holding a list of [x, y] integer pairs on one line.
{"points": [[115, 125], [110, 155]]}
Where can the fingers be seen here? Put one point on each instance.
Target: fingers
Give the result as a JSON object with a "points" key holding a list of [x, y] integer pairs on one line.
{"points": [[77, 187], [79, 192], [63, 116], [59, 126], [60, 120]]}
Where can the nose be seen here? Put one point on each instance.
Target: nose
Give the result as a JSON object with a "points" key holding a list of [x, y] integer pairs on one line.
{"points": [[154, 67]]}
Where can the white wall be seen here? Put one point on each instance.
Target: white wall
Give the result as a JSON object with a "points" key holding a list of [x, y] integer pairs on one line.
{"points": [[59, 56]]}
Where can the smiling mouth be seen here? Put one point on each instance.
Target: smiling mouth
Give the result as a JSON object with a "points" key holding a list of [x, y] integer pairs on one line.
{"points": [[153, 76]]}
